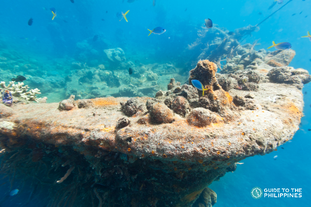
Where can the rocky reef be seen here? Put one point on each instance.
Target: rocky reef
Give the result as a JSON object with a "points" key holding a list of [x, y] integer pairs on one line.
{"points": [[96, 70], [162, 151]]}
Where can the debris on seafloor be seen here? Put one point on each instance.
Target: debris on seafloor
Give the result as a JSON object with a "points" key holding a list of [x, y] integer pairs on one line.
{"points": [[162, 151]]}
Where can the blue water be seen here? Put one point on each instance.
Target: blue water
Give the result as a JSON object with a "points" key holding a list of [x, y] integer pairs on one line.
{"points": [[53, 45]]}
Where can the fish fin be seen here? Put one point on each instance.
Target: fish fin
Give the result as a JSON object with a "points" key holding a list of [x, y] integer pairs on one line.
{"points": [[54, 15], [204, 89], [124, 15], [307, 35], [273, 45], [150, 32]]}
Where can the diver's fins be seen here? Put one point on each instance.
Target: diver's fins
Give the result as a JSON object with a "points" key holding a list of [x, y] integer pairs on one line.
{"points": [[273, 45], [150, 32], [124, 15]]}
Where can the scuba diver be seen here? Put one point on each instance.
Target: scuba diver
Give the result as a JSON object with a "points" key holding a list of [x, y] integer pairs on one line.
{"points": [[7, 98]]}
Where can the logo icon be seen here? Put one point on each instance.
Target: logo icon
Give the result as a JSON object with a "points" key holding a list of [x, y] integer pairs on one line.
{"points": [[256, 193]]}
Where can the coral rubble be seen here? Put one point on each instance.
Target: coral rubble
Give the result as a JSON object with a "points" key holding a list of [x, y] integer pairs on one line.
{"points": [[161, 151]]}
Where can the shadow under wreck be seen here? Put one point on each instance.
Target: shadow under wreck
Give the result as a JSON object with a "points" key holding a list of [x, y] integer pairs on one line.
{"points": [[162, 151]]}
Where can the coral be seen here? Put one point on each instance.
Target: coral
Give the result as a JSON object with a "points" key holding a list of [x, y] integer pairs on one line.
{"points": [[160, 113], [67, 104], [5, 111], [102, 102], [159, 94], [289, 75], [43, 100], [180, 106], [205, 72], [190, 93], [243, 57], [115, 54], [201, 117], [129, 91], [171, 85], [192, 196], [238, 101], [280, 58], [84, 103], [123, 122], [20, 92], [208, 198], [131, 107], [219, 43]]}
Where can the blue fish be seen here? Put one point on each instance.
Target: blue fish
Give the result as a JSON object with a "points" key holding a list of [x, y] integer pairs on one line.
{"points": [[208, 23], [199, 86], [157, 30], [281, 46], [53, 9], [14, 192]]}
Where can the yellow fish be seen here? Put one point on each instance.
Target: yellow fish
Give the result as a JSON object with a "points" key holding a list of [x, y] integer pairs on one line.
{"points": [[281, 46], [54, 15], [308, 36], [121, 15]]}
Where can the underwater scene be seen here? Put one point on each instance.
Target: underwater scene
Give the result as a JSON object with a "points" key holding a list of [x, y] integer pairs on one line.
{"points": [[155, 103]]}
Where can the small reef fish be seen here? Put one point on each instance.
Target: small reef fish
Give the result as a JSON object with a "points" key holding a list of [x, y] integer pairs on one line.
{"points": [[275, 157], [95, 38], [131, 71], [239, 163], [30, 21], [19, 78], [53, 12], [14, 192], [130, 1], [72, 1], [281, 46], [199, 86], [154, 2], [308, 36], [157, 30], [208, 23], [121, 15]]}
